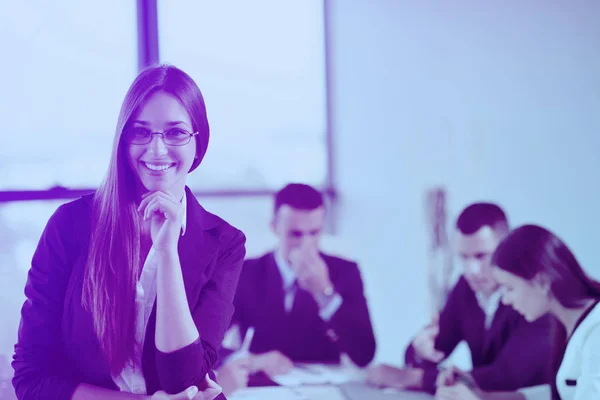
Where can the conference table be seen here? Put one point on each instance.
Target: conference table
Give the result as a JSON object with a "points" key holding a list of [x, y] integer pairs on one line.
{"points": [[320, 381]]}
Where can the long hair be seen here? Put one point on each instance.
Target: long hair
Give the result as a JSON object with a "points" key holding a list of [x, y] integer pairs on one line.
{"points": [[530, 250], [113, 262]]}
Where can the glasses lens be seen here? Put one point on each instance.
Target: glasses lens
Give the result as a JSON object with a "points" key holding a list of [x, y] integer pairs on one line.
{"points": [[137, 135], [176, 137]]}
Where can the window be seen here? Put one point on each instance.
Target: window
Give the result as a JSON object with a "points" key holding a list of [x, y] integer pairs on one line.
{"points": [[66, 69], [261, 68]]}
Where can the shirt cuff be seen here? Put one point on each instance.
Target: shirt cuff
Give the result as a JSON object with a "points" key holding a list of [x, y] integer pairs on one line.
{"points": [[329, 308]]}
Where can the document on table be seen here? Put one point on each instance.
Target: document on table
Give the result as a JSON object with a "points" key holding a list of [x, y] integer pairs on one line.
{"points": [[288, 393], [319, 374]]}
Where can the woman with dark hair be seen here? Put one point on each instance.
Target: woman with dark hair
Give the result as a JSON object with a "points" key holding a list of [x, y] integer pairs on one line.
{"points": [[540, 275], [131, 288]]}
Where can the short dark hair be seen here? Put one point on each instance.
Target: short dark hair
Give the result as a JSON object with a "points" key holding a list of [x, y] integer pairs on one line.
{"points": [[478, 215], [299, 196]]}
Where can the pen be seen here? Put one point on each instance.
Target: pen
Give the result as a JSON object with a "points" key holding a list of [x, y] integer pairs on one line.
{"points": [[245, 347]]}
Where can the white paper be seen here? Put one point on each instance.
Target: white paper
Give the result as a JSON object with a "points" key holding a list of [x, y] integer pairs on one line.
{"points": [[319, 374]]}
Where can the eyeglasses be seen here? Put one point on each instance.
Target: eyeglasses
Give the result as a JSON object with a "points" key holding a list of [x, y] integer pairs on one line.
{"points": [[171, 137]]}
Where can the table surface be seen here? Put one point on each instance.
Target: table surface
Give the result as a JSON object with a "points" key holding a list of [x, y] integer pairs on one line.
{"points": [[345, 391], [320, 381]]}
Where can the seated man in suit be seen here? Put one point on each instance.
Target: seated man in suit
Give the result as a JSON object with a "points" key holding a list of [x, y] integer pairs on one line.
{"points": [[507, 352], [304, 305]]}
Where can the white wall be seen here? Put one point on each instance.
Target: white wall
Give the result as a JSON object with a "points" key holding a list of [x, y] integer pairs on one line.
{"points": [[496, 101]]}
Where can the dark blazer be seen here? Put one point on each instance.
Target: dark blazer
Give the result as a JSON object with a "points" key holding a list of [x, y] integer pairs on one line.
{"points": [[301, 334], [57, 348], [511, 354]]}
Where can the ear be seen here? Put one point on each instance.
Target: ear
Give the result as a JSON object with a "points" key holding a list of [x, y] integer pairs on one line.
{"points": [[542, 281], [272, 225]]}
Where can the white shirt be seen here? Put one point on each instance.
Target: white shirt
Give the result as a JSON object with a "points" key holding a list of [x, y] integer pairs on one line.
{"points": [[489, 305], [131, 378], [288, 276]]}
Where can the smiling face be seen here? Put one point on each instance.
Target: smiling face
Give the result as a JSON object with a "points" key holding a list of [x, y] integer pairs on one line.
{"points": [[528, 298], [160, 167]]}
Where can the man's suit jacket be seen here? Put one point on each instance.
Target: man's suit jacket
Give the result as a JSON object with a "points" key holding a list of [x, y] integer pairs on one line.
{"points": [[301, 334], [57, 348], [512, 353]]}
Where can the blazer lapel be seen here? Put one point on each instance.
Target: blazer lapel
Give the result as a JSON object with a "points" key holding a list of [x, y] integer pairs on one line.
{"points": [[198, 246]]}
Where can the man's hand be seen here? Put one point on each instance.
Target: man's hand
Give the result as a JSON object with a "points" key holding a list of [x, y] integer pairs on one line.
{"points": [[452, 376], [272, 363], [398, 378], [234, 375], [424, 343], [310, 269]]}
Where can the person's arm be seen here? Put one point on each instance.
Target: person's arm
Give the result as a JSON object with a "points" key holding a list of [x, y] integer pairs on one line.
{"points": [[448, 337], [523, 361], [588, 383], [41, 370], [175, 328], [350, 326], [188, 365]]}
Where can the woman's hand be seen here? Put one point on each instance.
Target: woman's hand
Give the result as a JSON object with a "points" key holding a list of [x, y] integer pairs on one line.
{"points": [[187, 394], [458, 392], [166, 215], [211, 391]]}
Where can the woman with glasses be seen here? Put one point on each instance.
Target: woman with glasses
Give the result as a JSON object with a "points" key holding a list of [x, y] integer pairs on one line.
{"points": [[540, 275], [130, 289]]}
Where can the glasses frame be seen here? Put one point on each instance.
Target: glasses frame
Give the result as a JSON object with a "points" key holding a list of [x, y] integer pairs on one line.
{"points": [[151, 136]]}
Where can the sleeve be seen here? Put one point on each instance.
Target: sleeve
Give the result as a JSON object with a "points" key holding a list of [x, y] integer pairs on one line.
{"points": [[350, 326], [239, 323], [524, 359], [212, 315], [39, 363], [447, 339], [588, 384]]}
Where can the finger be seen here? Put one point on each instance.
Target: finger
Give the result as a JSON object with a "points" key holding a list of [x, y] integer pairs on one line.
{"points": [[153, 207], [432, 331], [243, 363], [191, 392], [210, 383], [151, 196], [437, 356], [143, 207], [159, 205], [187, 394], [146, 198]]}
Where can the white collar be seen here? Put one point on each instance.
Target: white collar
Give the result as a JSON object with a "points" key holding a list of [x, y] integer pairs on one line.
{"points": [[489, 304], [184, 222], [288, 276]]}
